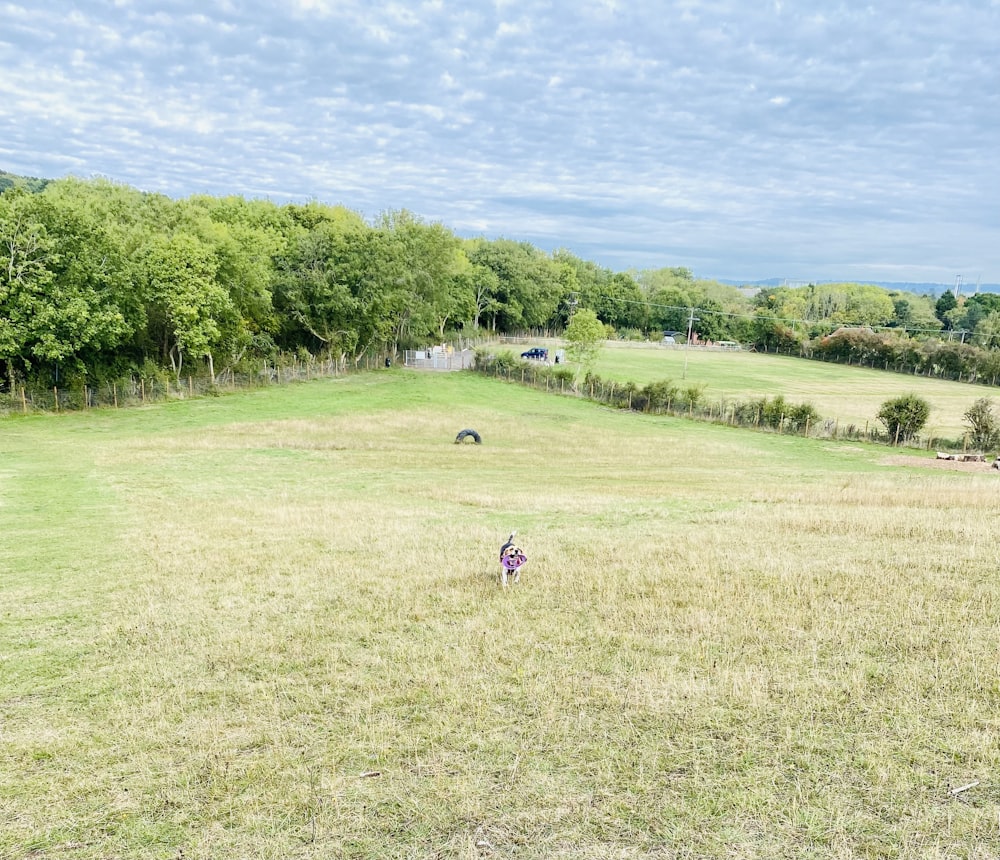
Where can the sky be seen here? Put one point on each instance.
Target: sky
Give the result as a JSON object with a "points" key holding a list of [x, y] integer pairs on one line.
{"points": [[743, 140]]}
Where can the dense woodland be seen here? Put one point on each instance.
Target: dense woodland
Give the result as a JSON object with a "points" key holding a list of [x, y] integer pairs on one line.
{"points": [[100, 281]]}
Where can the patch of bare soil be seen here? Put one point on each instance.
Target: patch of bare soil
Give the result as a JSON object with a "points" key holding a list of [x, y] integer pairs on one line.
{"points": [[934, 463]]}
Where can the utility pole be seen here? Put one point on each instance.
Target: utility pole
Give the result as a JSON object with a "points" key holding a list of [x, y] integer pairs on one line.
{"points": [[692, 319]]}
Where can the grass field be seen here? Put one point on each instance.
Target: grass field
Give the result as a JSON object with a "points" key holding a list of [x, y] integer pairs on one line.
{"points": [[267, 625], [851, 395]]}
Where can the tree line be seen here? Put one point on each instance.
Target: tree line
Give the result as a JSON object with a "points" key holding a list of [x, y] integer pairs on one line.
{"points": [[101, 281]]}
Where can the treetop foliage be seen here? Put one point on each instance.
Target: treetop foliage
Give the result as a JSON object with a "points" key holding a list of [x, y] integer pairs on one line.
{"points": [[98, 279]]}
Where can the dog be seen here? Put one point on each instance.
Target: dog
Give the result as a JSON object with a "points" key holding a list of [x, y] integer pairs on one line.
{"points": [[512, 557]]}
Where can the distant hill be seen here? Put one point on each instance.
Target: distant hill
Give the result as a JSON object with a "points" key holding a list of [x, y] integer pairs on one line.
{"points": [[905, 286], [28, 183]]}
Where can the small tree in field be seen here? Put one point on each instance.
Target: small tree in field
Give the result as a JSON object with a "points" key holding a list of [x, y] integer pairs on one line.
{"points": [[904, 417], [585, 335], [984, 426]]}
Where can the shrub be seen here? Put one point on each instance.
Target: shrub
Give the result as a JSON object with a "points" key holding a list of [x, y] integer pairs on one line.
{"points": [[660, 395], [749, 412], [627, 396], [505, 361], [904, 417], [984, 425], [774, 412], [801, 416], [691, 396]]}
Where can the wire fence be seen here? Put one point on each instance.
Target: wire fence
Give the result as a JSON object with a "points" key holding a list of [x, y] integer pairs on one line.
{"points": [[139, 389], [771, 414], [155, 385], [439, 358], [661, 398]]}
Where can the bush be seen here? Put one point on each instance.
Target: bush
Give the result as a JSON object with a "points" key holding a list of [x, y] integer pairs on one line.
{"points": [[801, 416], [691, 397], [774, 412], [749, 413], [628, 396], [499, 362], [660, 395], [904, 417], [984, 426]]}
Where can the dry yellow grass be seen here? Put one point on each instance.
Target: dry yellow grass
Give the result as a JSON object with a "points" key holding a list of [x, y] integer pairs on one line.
{"points": [[274, 630]]}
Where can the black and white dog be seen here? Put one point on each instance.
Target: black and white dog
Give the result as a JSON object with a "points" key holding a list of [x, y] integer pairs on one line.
{"points": [[511, 559]]}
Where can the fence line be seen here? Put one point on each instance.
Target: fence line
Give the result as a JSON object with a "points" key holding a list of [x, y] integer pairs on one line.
{"points": [[138, 390], [439, 359], [774, 416]]}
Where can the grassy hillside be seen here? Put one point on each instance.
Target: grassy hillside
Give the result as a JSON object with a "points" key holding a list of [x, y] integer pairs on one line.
{"points": [[266, 625], [28, 183], [851, 395]]}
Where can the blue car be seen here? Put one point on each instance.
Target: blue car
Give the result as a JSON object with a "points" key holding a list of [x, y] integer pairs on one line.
{"points": [[536, 354]]}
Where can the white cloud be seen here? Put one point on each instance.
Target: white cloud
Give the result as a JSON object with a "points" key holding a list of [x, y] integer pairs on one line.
{"points": [[514, 28], [322, 7], [743, 137]]}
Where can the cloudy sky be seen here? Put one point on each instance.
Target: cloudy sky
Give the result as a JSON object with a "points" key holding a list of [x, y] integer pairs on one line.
{"points": [[775, 138]]}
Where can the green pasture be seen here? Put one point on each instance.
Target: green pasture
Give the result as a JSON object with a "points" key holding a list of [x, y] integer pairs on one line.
{"points": [[850, 395], [267, 625]]}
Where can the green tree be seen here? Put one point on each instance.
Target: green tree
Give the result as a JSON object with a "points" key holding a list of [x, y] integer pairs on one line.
{"points": [[246, 238], [667, 278], [946, 303], [87, 308], [712, 322], [987, 333], [582, 284], [508, 281], [669, 308], [313, 287], [904, 417], [527, 292], [26, 257], [585, 336], [984, 425], [914, 312], [180, 276], [371, 265], [431, 276], [485, 286], [624, 304], [849, 304]]}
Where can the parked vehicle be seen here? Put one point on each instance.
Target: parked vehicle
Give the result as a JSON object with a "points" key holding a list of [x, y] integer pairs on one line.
{"points": [[536, 353]]}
